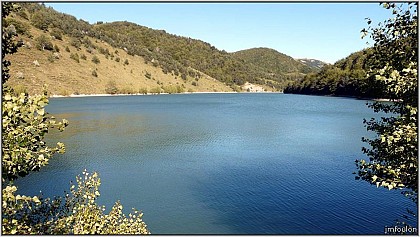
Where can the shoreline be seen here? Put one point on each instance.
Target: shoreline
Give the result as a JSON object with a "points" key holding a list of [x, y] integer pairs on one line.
{"points": [[149, 94]]}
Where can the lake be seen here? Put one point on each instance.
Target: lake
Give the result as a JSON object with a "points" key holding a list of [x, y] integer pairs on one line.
{"points": [[223, 163]]}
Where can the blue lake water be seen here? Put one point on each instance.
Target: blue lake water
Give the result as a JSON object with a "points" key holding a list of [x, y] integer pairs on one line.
{"points": [[223, 163]]}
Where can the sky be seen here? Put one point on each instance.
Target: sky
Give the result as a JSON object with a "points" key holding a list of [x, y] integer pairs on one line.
{"points": [[323, 31]]}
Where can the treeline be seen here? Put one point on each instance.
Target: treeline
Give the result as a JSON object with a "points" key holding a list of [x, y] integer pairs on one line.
{"points": [[347, 77], [176, 55]]}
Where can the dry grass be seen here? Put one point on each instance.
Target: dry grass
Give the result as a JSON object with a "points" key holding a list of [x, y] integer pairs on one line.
{"points": [[64, 76]]}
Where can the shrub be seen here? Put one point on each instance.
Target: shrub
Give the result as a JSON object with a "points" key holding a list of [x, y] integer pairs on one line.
{"points": [[156, 90], [94, 73], [76, 43], [83, 56], [40, 21], [44, 43], [57, 33], [127, 90], [21, 27], [19, 89], [143, 91], [95, 59], [117, 59], [67, 49], [111, 88], [56, 48], [51, 58], [75, 57], [148, 75], [126, 62], [194, 83], [184, 76], [23, 14]]}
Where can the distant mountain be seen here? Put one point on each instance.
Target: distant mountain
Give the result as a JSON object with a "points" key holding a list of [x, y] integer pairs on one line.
{"points": [[314, 63]]}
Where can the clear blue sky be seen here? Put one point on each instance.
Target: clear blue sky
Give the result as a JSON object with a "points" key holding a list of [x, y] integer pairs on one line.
{"points": [[324, 31]]}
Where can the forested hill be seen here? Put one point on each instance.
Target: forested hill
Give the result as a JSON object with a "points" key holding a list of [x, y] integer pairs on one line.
{"points": [[180, 54], [347, 77], [172, 60], [274, 63]]}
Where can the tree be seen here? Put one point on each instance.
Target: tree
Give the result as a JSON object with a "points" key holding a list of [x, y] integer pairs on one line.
{"points": [[40, 20], [9, 44], [44, 42], [24, 124], [111, 88], [393, 153], [95, 59]]}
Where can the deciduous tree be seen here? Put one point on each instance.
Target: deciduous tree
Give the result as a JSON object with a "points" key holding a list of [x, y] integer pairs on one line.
{"points": [[393, 153]]}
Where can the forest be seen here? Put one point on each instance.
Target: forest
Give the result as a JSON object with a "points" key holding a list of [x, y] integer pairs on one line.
{"points": [[346, 77]]}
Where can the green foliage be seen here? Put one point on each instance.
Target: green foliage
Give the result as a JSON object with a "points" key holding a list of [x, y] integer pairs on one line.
{"points": [[9, 43], [23, 14], [347, 77], [83, 56], [40, 20], [77, 213], [111, 88], [270, 61], [95, 59], [156, 90], [22, 28], [76, 43], [75, 57], [143, 91], [43, 42], [127, 90], [57, 33], [393, 154], [172, 89], [51, 58], [175, 54], [25, 123], [117, 59], [19, 89]]}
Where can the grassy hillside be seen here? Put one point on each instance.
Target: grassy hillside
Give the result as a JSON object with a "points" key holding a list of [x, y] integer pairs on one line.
{"points": [[177, 54], [65, 76], [132, 59]]}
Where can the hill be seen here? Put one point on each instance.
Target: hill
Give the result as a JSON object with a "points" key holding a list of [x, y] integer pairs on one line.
{"points": [[279, 66], [347, 77], [313, 63], [132, 58], [272, 61]]}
